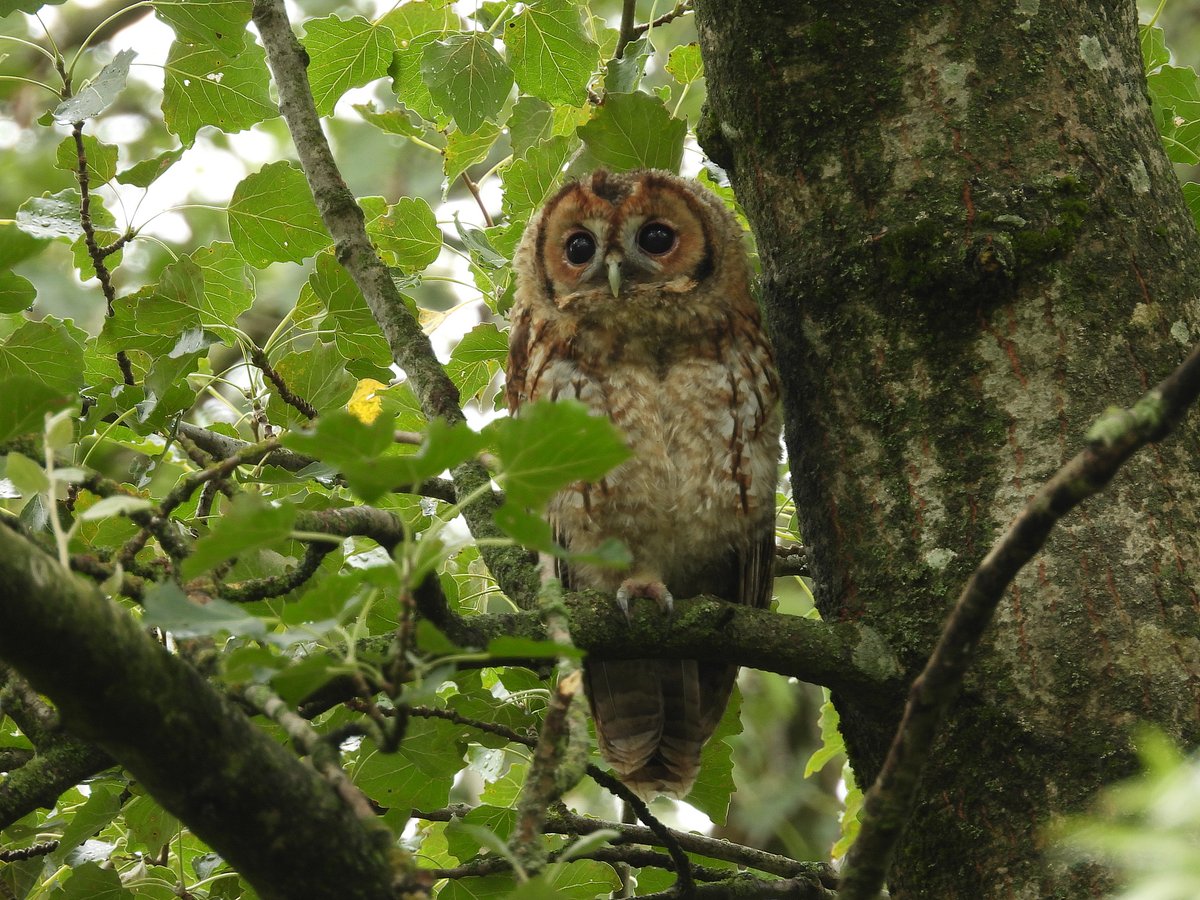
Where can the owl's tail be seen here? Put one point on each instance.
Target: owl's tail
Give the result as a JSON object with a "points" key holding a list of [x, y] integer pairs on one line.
{"points": [[653, 717]]}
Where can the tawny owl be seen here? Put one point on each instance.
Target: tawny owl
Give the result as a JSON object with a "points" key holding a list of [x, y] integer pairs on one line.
{"points": [[633, 297]]}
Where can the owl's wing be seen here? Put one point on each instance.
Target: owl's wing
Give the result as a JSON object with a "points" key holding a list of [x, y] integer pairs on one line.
{"points": [[516, 369]]}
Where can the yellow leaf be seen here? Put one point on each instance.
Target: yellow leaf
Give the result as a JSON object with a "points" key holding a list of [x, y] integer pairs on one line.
{"points": [[365, 405]]}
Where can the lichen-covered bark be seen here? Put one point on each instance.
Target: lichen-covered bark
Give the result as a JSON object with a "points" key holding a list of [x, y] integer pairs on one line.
{"points": [[972, 244]]}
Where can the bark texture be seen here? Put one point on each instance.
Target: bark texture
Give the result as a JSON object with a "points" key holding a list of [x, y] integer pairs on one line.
{"points": [[972, 243]]}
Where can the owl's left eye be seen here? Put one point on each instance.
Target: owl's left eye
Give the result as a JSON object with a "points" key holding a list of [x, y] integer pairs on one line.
{"points": [[656, 238], [580, 247]]}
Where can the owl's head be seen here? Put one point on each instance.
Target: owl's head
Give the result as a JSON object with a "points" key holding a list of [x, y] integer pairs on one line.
{"points": [[618, 241]]}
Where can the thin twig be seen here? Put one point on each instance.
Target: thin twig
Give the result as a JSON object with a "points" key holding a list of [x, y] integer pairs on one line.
{"points": [[683, 7], [277, 585], [474, 189], [286, 394], [33, 850], [95, 252], [1112, 440]]}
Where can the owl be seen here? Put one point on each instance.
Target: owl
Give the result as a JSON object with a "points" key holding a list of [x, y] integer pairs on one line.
{"points": [[633, 297]]}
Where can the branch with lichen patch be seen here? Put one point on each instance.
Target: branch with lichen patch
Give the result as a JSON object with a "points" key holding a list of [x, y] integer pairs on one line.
{"points": [[1113, 439], [410, 346]]}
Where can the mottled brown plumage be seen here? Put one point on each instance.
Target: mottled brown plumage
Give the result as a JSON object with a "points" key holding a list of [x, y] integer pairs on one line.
{"points": [[633, 297]]}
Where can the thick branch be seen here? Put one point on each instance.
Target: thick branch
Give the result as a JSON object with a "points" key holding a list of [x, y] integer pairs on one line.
{"points": [[232, 785], [410, 346], [1114, 438], [846, 657], [60, 763]]}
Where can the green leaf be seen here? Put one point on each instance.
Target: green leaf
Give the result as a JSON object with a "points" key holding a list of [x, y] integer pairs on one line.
{"points": [[408, 234], [390, 121], [579, 880], [421, 774], [531, 121], [16, 293], [154, 318], [480, 887], [26, 475], [344, 54], [273, 218], [29, 6], [355, 331], [467, 78], [117, 505], [228, 284], [1154, 47], [101, 159], [203, 86], [365, 454], [714, 786], [684, 63], [318, 374], [623, 75], [635, 131], [165, 606], [407, 82], [1191, 193], [146, 172], [550, 54], [16, 245], [150, 826], [57, 215], [477, 359], [49, 352], [419, 17], [101, 807], [247, 523], [497, 820], [831, 737], [27, 401], [551, 445], [528, 181], [98, 93], [521, 648], [219, 23], [1175, 96], [464, 150]]}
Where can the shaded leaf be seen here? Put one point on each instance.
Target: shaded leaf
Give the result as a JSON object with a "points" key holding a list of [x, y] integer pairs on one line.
{"points": [[27, 401], [528, 181], [165, 606], [16, 293], [464, 149], [247, 523], [144, 173], [318, 374], [49, 352]]}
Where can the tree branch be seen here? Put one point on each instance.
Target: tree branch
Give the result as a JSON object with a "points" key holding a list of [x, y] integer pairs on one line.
{"points": [[410, 346], [1113, 439], [211, 768]]}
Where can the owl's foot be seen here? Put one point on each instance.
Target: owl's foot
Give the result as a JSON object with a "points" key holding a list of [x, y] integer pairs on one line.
{"points": [[651, 590]]}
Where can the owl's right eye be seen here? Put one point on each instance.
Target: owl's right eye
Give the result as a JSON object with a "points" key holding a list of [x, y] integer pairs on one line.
{"points": [[580, 247]]}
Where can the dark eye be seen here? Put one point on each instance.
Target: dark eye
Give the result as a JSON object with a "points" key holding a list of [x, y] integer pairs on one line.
{"points": [[656, 238], [581, 247]]}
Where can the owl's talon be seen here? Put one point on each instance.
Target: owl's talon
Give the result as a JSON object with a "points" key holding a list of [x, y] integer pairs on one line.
{"points": [[651, 590]]}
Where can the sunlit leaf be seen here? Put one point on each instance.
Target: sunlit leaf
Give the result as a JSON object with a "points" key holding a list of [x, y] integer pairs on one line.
{"points": [[550, 54], [344, 54], [408, 233], [205, 87], [219, 23], [635, 131]]}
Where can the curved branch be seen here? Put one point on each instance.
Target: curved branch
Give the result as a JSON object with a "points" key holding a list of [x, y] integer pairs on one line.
{"points": [[1112, 441], [410, 346], [211, 768]]}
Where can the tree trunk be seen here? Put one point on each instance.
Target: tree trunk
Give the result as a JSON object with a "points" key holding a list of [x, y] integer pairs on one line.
{"points": [[972, 243]]}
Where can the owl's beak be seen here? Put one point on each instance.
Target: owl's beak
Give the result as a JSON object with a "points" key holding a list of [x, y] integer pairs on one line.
{"points": [[614, 275]]}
